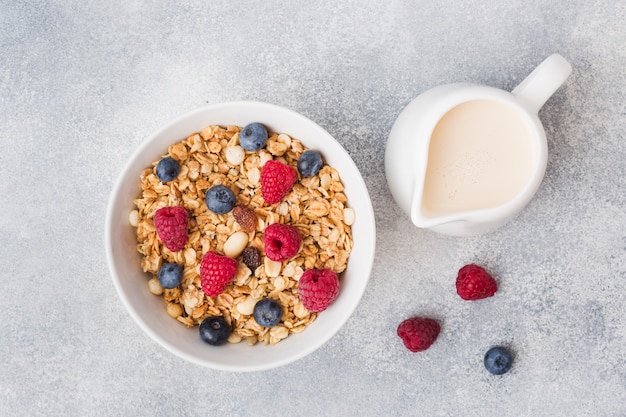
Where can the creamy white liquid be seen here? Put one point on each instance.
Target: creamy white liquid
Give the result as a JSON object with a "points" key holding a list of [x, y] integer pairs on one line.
{"points": [[481, 155]]}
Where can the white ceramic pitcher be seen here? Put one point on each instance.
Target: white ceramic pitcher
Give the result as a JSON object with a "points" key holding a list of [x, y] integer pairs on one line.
{"points": [[409, 143]]}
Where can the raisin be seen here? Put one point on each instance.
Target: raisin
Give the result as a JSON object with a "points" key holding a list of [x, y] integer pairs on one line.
{"points": [[251, 258]]}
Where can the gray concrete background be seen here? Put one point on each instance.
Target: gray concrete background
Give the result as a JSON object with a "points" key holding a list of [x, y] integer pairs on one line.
{"points": [[82, 83]]}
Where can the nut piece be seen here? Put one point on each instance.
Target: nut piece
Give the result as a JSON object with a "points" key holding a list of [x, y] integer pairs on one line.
{"points": [[284, 138], [272, 268], [190, 256], [254, 176], [154, 286], [246, 217], [234, 338], [247, 307], [174, 310], [278, 333], [348, 216], [133, 218], [235, 154], [265, 156], [235, 244]]}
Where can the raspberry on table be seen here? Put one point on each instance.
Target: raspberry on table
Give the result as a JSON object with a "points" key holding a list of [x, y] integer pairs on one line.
{"points": [[246, 217], [474, 283], [281, 241], [276, 181], [216, 272], [418, 333], [171, 227], [318, 288]]}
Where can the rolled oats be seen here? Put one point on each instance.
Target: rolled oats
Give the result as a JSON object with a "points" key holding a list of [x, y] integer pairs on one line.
{"points": [[174, 310], [315, 205]]}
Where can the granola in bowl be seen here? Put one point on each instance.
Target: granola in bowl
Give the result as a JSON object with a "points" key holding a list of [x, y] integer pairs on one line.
{"points": [[154, 316], [315, 205]]}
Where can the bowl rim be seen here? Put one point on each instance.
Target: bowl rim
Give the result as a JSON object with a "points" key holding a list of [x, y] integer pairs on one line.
{"points": [[130, 165]]}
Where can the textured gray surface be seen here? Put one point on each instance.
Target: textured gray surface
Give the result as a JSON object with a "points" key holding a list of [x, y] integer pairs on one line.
{"points": [[83, 82]]}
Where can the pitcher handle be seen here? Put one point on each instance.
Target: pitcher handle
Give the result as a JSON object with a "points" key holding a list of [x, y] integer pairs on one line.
{"points": [[540, 84]]}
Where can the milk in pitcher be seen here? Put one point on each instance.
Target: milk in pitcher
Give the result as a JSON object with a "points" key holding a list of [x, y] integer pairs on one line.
{"points": [[481, 155]]}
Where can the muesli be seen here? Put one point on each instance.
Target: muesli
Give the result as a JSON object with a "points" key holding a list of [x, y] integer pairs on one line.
{"points": [[315, 205]]}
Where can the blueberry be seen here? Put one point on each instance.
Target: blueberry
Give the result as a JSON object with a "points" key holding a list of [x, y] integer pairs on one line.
{"points": [[310, 163], [253, 137], [214, 330], [170, 275], [220, 199], [498, 360], [167, 169], [267, 312]]}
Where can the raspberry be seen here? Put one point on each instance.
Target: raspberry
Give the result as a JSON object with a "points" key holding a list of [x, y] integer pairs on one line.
{"points": [[276, 181], [246, 217], [281, 241], [171, 227], [474, 283], [418, 333], [318, 288], [216, 272]]}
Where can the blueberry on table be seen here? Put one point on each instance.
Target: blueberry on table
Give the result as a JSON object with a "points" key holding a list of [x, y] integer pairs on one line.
{"points": [[310, 163], [253, 137], [167, 169], [214, 330], [170, 275], [498, 360], [220, 199], [267, 312]]}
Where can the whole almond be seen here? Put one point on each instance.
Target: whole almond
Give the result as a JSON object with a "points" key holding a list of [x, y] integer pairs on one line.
{"points": [[246, 217], [235, 244]]}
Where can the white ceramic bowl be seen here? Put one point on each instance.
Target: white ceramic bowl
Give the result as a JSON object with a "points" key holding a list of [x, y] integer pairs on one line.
{"points": [[148, 310]]}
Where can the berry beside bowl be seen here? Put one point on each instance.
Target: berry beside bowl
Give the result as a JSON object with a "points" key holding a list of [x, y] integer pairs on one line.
{"points": [[149, 311]]}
